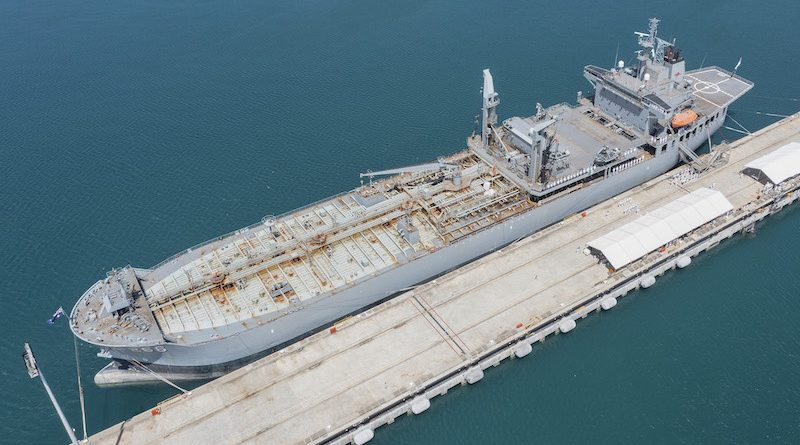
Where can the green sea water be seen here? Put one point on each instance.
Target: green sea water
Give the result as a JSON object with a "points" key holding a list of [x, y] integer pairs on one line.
{"points": [[130, 130]]}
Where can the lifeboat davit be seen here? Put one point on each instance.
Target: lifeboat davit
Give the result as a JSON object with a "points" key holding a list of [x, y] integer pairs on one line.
{"points": [[683, 118]]}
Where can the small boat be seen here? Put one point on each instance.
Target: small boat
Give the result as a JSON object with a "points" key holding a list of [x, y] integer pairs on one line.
{"points": [[606, 155]]}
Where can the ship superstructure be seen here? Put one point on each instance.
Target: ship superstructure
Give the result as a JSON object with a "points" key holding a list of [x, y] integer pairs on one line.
{"points": [[217, 304]]}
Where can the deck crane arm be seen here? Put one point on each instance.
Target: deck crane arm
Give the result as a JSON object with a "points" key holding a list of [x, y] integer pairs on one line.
{"points": [[410, 169]]}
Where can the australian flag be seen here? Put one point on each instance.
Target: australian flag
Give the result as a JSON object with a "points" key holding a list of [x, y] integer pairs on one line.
{"points": [[58, 314]]}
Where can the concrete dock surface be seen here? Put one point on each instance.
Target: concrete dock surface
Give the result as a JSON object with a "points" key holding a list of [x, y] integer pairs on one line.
{"points": [[327, 387]]}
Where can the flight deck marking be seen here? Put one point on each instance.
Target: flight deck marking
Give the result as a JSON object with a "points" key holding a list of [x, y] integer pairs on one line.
{"points": [[704, 87]]}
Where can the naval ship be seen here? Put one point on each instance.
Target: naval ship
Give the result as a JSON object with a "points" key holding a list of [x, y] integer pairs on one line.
{"points": [[215, 306]]}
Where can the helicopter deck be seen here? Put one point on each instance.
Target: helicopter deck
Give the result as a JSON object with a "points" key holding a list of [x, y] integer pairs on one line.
{"points": [[716, 88]]}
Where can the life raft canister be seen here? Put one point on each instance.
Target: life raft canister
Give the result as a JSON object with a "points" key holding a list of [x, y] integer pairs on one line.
{"points": [[683, 118]]}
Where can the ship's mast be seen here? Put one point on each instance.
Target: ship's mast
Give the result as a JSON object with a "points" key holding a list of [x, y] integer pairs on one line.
{"points": [[653, 46]]}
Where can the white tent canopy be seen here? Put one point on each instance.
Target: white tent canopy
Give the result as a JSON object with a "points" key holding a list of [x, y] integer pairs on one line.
{"points": [[779, 165], [649, 232]]}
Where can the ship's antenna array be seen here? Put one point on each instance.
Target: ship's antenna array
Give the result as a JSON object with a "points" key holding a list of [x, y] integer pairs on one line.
{"points": [[650, 41]]}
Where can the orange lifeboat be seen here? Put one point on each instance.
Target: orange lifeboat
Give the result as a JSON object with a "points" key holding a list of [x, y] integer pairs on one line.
{"points": [[683, 118]]}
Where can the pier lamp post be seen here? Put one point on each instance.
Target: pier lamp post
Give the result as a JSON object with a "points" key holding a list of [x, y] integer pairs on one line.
{"points": [[34, 371]]}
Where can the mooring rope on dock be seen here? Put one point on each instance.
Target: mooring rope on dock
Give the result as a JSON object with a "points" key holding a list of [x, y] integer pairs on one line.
{"points": [[159, 376]]}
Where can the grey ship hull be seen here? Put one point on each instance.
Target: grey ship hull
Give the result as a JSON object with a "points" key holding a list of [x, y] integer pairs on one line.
{"points": [[212, 356]]}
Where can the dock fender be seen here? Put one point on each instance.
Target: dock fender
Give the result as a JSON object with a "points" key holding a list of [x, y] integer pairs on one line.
{"points": [[566, 325], [608, 303], [363, 436], [523, 348], [474, 375], [683, 262], [420, 404], [647, 281]]}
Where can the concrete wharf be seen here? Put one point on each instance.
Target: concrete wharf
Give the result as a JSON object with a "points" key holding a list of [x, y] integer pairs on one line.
{"points": [[339, 385]]}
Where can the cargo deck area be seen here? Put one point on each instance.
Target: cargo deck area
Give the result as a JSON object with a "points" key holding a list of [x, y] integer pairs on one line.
{"points": [[337, 386]]}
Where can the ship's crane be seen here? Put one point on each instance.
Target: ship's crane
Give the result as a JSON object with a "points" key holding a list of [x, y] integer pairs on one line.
{"points": [[433, 166]]}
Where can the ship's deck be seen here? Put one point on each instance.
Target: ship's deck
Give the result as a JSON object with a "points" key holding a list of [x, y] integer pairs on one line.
{"points": [[281, 285], [135, 327], [584, 131], [580, 130], [273, 268]]}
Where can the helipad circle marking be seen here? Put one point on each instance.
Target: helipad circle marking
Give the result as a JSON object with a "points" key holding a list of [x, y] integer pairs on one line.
{"points": [[704, 87]]}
